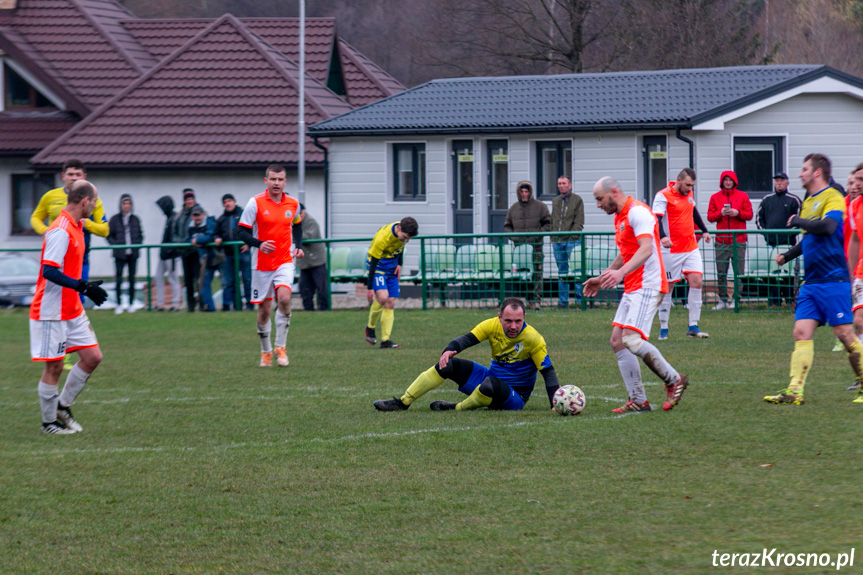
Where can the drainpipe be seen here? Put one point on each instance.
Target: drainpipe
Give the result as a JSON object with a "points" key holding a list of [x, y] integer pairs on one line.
{"points": [[691, 148], [326, 186]]}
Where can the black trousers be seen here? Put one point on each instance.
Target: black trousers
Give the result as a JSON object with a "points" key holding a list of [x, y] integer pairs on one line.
{"points": [[121, 263], [191, 271], [314, 280]]}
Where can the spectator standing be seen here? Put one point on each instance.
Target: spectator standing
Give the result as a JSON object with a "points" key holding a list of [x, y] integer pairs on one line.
{"points": [[202, 231], [125, 229], [529, 215], [226, 231], [180, 235], [313, 267], [169, 264], [729, 209], [567, 215], [774, 211]]}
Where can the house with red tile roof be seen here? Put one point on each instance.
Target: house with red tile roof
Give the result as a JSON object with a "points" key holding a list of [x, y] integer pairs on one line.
{"points": [[155, 106]]}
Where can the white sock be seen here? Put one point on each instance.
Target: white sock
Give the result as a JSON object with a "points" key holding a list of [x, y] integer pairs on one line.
{"points": [[283, 325], [264, 333], [75, 382], [695, 303], [630, 370], [665, 310], [657, 364], [48, 402]]}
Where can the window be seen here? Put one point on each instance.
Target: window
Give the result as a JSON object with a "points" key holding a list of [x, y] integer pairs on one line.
{"points": [[20, 94], [554, 160], [409, 171], [755, 162], [27, 189]]}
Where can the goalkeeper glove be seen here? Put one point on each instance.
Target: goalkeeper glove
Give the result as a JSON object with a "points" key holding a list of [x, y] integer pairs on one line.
{"points": [[92, 291]]}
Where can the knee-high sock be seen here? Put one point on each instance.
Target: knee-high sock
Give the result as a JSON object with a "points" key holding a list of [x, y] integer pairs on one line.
{"points": [[424, 383], [48, 401], [264, 333], [855, 357], [694, 303], [283, 325], [388, 317], [657, 364], [474, 400], [374, 314], [75, 382], [801, 361], [665, 310], [630, 370]]}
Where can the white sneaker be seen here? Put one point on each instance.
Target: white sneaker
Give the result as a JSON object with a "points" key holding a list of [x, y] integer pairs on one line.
{"points": [[55, 428], [64, 416], [719, 305], [730, 304], [119, 309]]}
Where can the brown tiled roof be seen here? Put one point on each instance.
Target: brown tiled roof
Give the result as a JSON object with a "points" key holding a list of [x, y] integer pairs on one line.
{"points": [[27, 132], [366, 82], [226, 98]]}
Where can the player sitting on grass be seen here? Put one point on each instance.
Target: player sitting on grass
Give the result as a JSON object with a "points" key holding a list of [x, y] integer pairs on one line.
{"points": [[517, 352], [384, 266]]}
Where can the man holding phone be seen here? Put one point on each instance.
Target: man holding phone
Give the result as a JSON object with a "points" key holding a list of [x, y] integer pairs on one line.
{"points": [[729, 209]]}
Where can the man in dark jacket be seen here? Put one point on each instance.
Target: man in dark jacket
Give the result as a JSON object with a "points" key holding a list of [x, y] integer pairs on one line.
{"points": [[169, 262], [313, 267], [125, 229], [191, 261], [202, 230], [567, 215], [226, 231], [775, 210], [529, 215]]}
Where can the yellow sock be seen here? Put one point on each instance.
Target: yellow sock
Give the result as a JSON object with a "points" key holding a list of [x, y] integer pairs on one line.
{"points": [[801, 361], [374, 314], [855, 357], [424, 383], [387, 319], [474, 400]]}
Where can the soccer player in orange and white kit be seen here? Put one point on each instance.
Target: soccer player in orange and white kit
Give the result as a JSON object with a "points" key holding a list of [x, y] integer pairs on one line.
{"points": [[680, 248], [854, 218], [58, 323], [271, 223], [639, 267]]}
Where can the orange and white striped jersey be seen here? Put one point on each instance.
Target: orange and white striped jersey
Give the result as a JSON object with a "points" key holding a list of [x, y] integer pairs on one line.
{"points": [[855, 218], [62, 247], [269, 220], [634, 221], [678, 211]]}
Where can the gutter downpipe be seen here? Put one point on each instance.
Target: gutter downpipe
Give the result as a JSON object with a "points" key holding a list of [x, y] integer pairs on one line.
{"points": [[691, 148]]}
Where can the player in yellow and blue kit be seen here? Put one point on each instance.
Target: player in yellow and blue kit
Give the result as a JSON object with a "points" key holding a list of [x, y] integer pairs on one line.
{"points": [[825, 296], [384, 266], [517, 352]]}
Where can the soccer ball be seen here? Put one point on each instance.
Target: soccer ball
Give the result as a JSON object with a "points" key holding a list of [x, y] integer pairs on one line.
{"points": [[569, 400]]}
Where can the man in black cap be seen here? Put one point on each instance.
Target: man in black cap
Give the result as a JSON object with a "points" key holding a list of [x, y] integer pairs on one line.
{"points": [[226, 231], [181, 234], [773, 214]]}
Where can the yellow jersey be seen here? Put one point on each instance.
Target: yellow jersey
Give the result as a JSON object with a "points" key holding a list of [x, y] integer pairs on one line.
{"points": [[515, 361], [53, 202]]}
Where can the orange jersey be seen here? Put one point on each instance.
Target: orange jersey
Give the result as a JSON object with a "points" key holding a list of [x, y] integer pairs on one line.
{"points": [[854, 219], [62, 247], [635, 221], [269, 220], [678, 211]]}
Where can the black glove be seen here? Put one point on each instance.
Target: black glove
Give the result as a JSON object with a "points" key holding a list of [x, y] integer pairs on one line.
{"points": [[92, 291]]}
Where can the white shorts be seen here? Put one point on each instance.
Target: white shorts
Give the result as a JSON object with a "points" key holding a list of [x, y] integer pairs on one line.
{"points": [[52, 340], [857, 294], [636, 310], [264, 284], [683, 263]]}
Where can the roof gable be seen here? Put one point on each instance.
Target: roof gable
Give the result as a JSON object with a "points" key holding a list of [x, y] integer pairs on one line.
{"points": [[572, 102], [225, 98]]}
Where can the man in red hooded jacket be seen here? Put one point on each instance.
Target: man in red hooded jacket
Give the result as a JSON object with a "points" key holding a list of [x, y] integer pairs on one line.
{"points": [[729, 209]]}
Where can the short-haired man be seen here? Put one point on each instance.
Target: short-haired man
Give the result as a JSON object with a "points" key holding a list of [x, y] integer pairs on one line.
{"points": [[680, 252], [227, 228], [639, 266], [825, 296], [854, 223], [313, 268], [181, 234], [384, 268], [567, 215], [518, 351], [271, 223], [58, 323]]}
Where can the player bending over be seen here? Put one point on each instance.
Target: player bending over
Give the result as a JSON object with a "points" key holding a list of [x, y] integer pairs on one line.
{"points": [[517, 352]]}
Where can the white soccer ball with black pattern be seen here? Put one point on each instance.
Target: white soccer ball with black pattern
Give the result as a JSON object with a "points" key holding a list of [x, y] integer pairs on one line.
{"points": [[569, 400]]}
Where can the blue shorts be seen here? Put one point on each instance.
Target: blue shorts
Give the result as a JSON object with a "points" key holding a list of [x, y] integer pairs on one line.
{"points": [[825, 303], [479, 373], [388, 282]]}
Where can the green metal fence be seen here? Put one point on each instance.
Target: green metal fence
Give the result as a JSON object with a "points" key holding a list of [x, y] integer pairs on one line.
{"points": [[545, 269]]}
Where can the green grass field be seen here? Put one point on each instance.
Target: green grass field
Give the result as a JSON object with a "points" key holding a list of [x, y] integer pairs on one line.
{"points": [[194, 460]]}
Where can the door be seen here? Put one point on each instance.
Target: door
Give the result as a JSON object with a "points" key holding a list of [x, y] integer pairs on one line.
{"points": [[655, 153], [498, 184], [462, 198]]}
